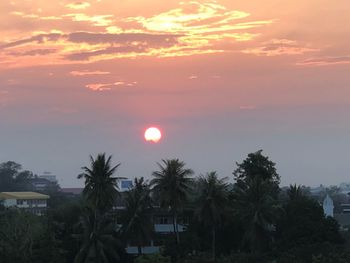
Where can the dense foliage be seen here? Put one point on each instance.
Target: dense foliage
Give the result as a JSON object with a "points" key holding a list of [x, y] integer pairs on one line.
{"points": [[249, 220]]}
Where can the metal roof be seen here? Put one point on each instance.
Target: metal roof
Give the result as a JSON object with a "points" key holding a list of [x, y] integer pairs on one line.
{"points": [[22, 195]]}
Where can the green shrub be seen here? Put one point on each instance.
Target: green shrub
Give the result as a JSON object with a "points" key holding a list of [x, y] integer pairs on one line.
{"points": [[155, 258]]}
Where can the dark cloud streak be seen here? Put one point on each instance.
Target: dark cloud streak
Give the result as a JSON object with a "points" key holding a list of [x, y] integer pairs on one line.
{"points": [[33, 52], [100, 38], [38, 39], [110, 50], [326, 61]]}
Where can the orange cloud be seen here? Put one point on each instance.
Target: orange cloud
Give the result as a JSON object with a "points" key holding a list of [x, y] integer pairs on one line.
{"points": [[276, 47], [88, 73], [109, 86], [193, 17], [99, 87], [96, 20], [78, 5], [192, 28]]}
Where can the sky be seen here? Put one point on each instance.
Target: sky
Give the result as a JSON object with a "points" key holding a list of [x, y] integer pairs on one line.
{"points": [[220, 79]]}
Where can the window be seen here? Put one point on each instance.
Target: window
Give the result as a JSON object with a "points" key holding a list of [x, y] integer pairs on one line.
{"points": [[19, 202], [135, 243], [163, 220]]}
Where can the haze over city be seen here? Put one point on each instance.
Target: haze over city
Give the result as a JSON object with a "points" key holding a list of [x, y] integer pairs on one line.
{"points": [[220, 79]]}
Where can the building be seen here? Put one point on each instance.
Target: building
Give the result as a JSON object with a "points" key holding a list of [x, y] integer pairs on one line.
{"points": [[48, 176], [314, 191], [40, 184], [124, 185], [328, 206], [163, 230], [72, 191], [162, 222], [33, 202], [345, 208]]}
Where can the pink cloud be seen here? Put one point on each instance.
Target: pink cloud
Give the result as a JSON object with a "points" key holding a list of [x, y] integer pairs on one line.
{"points": [[110, 86], [325, 61], [88, 73]]}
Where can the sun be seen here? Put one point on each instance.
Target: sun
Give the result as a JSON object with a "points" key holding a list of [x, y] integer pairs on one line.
{"points": [[153, 134]]}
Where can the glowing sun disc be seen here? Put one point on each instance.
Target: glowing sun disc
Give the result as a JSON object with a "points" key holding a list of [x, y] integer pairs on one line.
{"points": [[153, 134]]}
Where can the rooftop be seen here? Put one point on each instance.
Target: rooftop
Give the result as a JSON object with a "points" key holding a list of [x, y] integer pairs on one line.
{"points": [[76, 191], [22, 195]]}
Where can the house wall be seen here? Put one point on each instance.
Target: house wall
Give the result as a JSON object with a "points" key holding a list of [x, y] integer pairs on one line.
{"points": [[35, 206], [167, 228], [10, 202], [23, 203]]}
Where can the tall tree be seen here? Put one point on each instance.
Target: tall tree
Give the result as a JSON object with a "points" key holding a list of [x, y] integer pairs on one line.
{"points": [[255, 196], [13, 178], [171, 184], [212, 202], [99, 243], [101, 188], [295, 192], [256, 165], [137, 219], [304, 230]]}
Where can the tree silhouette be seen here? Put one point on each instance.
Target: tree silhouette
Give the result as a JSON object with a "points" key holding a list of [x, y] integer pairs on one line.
{"points": [[137, 219], [212, 202], [171, 184], [98, 239], [255, 198], [101, 188], [99, 243]]}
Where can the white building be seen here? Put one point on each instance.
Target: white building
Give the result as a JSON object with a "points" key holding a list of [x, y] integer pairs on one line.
{"points": [[163, 226], [328, 206], [124, 185], [48, 176], [33, 202], [162, 223]]}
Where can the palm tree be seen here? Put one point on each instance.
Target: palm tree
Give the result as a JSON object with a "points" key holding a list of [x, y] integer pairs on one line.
{"points": [[295, 192], [212, 202], [99, 242], [101, 188], [137, 220], [171, 184], [258, 209], [98, 239]]}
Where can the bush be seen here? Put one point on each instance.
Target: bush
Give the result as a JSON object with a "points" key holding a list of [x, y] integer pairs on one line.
{"points": [[239, 258], [200, 258], [155, 258]]}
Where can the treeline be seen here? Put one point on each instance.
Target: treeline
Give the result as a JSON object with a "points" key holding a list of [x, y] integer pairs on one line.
{"points": [[14, 179], [251, 220]]}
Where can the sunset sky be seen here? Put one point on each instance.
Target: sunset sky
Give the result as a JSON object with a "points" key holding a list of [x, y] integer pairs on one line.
{"points": [[220, 79]]}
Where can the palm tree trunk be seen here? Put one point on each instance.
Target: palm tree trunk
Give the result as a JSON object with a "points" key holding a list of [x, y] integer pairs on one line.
{"points": [[213, 242], [176, 229], [174, 224], [139, 250], [95, 217]]}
